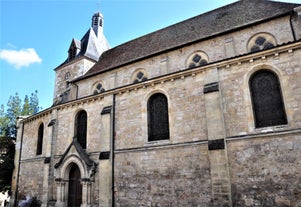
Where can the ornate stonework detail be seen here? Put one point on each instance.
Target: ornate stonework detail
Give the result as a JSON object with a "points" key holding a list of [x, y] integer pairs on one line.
{"points": [[261, 41], [98, 88], [139, 76], [197, 59]]}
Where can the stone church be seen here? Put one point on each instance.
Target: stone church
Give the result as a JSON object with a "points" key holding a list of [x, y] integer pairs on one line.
{"points": [[203, 113]]}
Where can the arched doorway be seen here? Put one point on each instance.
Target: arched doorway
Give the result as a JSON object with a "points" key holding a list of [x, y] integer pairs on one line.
{"points": [[74, 187]]}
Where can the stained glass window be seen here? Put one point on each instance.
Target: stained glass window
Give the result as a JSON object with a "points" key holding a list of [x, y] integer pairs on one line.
{"points": [[158, 124], [40, 139], [81, 129], [267, 99]]}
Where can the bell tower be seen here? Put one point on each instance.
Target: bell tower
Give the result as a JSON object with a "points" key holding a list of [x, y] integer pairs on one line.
{"points": [[97, 24]]}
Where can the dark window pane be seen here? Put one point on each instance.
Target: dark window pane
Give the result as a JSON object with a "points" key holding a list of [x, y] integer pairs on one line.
{"points": [[40, 139], [203, 62], [255, 48], [267, 99], [260, 40], [140, 75], [99, 86], [196, 58], [81, 129], [158, 124], [192, 65], [268, 45]]}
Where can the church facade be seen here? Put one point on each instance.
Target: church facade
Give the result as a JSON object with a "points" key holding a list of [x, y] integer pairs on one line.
{"points": [[205, 112]]}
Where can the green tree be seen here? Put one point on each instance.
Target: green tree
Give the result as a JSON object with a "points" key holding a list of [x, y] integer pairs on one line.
{"points": [[7, 152], [8, 133], [14, 109], [26, 106], [3, 121], [34, 103]]}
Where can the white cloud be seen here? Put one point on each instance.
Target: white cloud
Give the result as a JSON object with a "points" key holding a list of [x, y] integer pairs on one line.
{"points": [[20, 58]]}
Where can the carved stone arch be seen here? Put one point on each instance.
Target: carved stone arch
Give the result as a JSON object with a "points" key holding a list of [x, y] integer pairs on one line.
{"points": [[139, 75], [261, 41], [70, 160], [74, 155], [196, 59]]}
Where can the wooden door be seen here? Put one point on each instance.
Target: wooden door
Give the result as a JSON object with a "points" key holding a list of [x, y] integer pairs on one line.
{"points": [[74, 188]]}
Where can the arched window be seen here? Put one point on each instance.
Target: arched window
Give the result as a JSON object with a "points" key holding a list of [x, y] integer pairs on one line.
{"points": [[139, 76], [98, 88], [81, 129], [197, 59], [267, 99], [261, 41], [158, 124], [40, 139]]}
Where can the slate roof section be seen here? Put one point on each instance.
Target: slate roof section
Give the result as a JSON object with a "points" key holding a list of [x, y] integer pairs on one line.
{"points": [[90, 46], [77, 43], [221, 20]]}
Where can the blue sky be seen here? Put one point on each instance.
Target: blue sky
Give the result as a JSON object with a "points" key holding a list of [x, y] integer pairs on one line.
{"points": [[35, 34]]}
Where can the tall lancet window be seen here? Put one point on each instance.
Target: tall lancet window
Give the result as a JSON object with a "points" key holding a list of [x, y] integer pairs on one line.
{"points": [[158, 124], [40, 139], [81, 129], [267, 99]]}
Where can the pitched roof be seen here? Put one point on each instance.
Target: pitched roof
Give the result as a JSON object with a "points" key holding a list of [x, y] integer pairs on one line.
{"points": [[90, 46], [221, 20]]}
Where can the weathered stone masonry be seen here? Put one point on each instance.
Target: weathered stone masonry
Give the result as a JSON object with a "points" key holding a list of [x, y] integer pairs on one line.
{"points": [[214, 154]]}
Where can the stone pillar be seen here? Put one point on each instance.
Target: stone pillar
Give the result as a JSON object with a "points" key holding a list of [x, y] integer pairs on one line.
{"points": [[61, 193], [17, 158], [86, 192], [105, 159], [220, 178], [48, 173]]}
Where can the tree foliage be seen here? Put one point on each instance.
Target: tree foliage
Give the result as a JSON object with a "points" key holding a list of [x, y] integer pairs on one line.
{"points": [[15, 108], [7, 152], [8, 132]]}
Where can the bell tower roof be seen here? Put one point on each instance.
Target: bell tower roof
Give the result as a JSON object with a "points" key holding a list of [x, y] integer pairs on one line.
{"points": [[97, 23]]}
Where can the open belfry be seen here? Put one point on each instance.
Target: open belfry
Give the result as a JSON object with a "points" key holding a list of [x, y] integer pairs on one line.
{"points": [[203, 113]]}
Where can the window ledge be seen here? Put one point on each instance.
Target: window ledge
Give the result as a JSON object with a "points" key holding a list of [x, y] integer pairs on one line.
{"points": [[271, 128], [157, 142]]}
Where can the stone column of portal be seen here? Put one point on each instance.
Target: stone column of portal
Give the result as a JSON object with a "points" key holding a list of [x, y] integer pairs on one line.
{"points": [[61, 192], [220, 178], [86, 192], [105, 164]]}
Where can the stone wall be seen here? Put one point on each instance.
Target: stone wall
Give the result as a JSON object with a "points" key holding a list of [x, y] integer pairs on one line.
{"points": [[216, 48], [167, 176], [265, 170]]}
